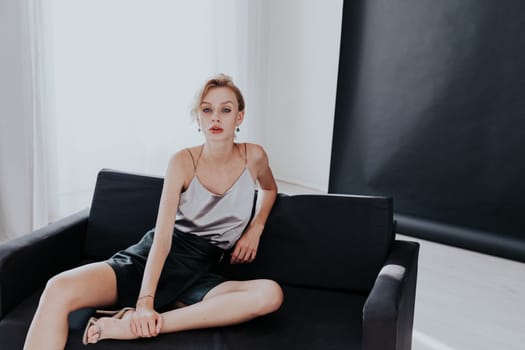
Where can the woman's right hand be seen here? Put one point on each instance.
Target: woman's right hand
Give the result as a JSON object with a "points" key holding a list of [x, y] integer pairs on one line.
{"points": [[146, 322]]}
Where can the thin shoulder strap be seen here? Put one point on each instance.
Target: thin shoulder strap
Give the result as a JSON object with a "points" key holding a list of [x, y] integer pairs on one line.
{"points": [[192, 159], [245, 154], [199, 157]]}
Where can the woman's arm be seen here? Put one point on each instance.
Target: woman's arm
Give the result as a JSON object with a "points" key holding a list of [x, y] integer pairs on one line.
{"points": [[246, 247], [147, 322]]}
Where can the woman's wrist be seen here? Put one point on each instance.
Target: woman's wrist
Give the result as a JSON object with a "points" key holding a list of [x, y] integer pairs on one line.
{"points": [[145, 300], [257, 225], [145, 296]]}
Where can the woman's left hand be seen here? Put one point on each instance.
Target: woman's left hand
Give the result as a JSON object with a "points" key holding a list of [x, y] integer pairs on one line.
{"points": [[246, 247]]}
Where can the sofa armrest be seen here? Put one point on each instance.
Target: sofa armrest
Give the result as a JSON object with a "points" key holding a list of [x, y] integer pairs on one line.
{"points": [[388, 313], [27, 262]]}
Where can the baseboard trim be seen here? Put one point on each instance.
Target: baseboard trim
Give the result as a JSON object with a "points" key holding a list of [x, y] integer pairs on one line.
{"points": [[302, 184]]}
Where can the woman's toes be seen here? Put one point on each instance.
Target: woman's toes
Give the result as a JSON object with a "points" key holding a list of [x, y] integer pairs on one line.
{"points": [[94, 333], [110, 328]]}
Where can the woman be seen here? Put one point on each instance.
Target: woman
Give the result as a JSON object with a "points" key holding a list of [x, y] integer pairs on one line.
{"points": [[204, 211]]}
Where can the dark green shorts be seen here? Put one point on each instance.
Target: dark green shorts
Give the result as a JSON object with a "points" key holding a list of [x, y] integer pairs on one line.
{"points": [[186, 276]]}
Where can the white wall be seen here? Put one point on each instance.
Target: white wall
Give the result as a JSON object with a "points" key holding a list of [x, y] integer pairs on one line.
{"points": [[303, 39], [124, 80], [283, 54], [238, 51]]}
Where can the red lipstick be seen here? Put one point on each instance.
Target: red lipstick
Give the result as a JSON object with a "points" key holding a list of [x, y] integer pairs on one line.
{"points": [[215, 129]]}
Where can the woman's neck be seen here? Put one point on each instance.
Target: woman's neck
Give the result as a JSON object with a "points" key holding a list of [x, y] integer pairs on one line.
{"points": [[219, 152]]}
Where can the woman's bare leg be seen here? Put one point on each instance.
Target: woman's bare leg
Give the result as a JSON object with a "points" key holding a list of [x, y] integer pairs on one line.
{"points": [[92, 285], [229, 303]]}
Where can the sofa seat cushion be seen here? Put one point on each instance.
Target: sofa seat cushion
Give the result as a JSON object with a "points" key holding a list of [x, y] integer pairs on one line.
{"points": [[308, 319]]}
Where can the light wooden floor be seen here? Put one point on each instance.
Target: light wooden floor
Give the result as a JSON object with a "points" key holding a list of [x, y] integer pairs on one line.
{"points": [[464, 300]]}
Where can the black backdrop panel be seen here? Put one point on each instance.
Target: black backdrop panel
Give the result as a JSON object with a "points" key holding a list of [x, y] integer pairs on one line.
{"points": [[431, 111]]}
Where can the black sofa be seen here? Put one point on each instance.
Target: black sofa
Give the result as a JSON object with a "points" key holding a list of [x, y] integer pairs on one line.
{"points": [[348, 284]]}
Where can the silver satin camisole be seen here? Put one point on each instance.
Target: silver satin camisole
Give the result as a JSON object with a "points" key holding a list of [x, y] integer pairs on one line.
{"points": [[220, 218]]}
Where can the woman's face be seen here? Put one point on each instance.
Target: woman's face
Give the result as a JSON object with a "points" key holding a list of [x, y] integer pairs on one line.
{"points": [[218, 114]]}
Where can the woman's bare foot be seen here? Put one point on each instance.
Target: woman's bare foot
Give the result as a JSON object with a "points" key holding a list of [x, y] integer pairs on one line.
{"points": [[111, 328]]}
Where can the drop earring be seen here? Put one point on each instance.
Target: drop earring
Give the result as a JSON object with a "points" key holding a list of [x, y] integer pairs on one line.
{"points": [[238, 129], [199, 129]]}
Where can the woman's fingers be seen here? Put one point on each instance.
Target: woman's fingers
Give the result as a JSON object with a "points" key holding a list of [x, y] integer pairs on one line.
{"points": [[152, 328], [142, 331], [244, 255], [133, 327], [159, 323], [147, 326], [138, 327], [236, 255], [252, 255], [244, 252]]}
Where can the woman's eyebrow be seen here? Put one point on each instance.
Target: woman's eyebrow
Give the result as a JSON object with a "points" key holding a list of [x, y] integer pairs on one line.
{"points": [[222, 103]]}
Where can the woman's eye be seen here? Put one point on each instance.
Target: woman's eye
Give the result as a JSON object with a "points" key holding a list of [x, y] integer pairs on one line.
{"points": [[226, 110], [206, 110]]}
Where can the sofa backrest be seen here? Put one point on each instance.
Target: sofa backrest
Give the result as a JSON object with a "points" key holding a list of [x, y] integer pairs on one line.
{"points": [[123, 209], [327, 241]]}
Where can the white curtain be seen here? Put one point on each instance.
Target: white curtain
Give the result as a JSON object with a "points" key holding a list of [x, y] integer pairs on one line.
{"points": [[107, 84], [23, 197]]}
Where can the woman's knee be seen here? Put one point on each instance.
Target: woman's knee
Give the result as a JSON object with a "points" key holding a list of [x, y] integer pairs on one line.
{"points": [[60, 292], [270, 296]]}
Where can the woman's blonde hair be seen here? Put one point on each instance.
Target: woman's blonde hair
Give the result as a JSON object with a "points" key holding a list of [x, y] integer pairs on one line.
{"points": [[220, 80]]}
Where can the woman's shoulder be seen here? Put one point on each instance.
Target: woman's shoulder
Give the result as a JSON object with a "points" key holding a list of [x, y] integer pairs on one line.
{"points": [[183, 161], [256, 153], [182, 156]]}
